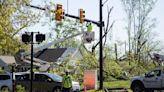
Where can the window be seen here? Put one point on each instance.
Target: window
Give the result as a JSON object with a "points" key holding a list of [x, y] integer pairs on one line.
{"points": [[56, 78], [157, 72], [42, 77], [4, 77], [154, 73], [24, 77]]}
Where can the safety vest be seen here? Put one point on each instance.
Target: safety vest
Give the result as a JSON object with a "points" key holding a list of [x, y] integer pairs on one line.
{"points": [[67, 82]]}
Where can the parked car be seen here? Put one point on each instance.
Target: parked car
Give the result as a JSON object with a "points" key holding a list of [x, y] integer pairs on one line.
{"points": [[5, 82], [43, 82], [153, 80]]}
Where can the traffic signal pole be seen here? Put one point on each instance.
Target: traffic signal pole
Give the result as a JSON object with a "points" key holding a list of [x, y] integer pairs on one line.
{"points": [[101, 47], [68, 15], [100, 24], [32, 42]]}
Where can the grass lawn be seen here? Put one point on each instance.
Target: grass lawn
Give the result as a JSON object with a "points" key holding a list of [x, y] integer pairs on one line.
{"points": [[115, 84], [118, 84]]}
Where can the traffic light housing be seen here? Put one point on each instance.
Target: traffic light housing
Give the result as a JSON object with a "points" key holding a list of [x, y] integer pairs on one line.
{"points": [[81, 15], [59, 13], [40, 37], [26, 38]]}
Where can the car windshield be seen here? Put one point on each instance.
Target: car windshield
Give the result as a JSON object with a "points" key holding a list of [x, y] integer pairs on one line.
{"points": [[56, 77]]}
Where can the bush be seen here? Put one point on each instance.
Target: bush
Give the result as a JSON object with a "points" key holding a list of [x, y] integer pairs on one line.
{"points": [[1, 70], [112, 70], [136, 68], [20, 88]]}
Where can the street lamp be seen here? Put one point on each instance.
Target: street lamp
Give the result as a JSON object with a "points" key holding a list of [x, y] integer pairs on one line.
{"points": [[27, 38]]}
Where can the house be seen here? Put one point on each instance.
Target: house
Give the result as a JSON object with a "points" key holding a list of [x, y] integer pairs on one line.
{"points": [[22, 63], [53, 56], [58, 55], [7, 61]]}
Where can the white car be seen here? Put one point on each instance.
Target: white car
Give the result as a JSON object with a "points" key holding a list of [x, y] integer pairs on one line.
{"points": [[5, 82]]}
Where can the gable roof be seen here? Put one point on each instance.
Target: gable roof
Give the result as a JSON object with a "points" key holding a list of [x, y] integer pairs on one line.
{"points": [[50, 55], [9, 60]]}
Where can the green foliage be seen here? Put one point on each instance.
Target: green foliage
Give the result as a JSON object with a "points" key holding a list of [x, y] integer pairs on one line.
{"points": [[116, 84], [89, 61], [139, 27], [123, 70], [112, 70], [1, 70], [64, 29], [5, 90], [136, 68], [20, 88], [14, 17]]}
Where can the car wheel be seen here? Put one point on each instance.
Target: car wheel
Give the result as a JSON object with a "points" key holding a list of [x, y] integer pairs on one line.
{"points": [[149, 90], [57, 89], [5, 89], [76, 91], [137, 88]]}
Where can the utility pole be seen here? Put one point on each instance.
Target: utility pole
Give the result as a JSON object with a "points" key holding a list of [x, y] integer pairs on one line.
{"points": [[32, 42], [101, 48], [116, 55]]}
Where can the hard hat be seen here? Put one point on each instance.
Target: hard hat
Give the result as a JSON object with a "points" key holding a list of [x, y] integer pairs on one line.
{"points": [[67, 71]]}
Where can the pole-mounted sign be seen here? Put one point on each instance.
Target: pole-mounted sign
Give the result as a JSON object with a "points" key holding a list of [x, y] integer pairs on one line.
{"points": [[27, 38]]}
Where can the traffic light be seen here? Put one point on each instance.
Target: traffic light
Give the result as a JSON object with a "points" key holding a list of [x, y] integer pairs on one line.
{"points": [[82, 15], [26, 38], [40, 37], [59, 13], [88, 37]]}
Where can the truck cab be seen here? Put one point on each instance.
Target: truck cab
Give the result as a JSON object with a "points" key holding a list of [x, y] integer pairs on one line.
{"points": [[153, 80]]}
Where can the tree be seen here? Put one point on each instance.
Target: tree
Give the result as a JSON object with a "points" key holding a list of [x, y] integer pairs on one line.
{"points": [[139, 27], [64, 29], [14, 17], [69, 27]]}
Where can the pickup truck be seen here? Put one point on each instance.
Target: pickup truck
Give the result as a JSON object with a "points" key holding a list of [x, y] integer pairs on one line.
{"points": [[153, 80]]}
